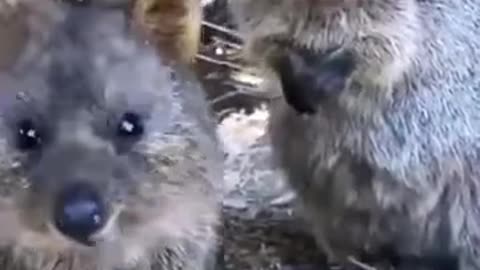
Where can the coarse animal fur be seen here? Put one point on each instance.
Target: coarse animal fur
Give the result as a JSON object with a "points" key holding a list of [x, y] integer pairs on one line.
{"points": [[87, 103], [13, 26], [386, 157], [172, 26]]}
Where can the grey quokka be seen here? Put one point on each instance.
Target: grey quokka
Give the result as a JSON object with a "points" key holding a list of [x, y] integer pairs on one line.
{"points": [[108, 156], [379, 125]]}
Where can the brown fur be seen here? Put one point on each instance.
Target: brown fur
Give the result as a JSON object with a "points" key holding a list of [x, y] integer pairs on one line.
{"points": [[172, 25], [390, 160], [12, 26]]}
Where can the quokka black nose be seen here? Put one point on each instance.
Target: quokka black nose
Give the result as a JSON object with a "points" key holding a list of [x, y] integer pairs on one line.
{"points": [[79, 212]]}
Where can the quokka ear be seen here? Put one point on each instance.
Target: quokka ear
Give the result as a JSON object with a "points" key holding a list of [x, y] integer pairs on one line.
{"points": [[172, 26]]}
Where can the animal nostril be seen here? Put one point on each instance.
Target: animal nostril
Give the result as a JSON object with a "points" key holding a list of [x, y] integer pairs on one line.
{"points": [[79, 212]]}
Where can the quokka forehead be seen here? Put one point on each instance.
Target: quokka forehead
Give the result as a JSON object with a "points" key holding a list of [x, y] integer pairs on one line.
{"points": [[98, 66]]}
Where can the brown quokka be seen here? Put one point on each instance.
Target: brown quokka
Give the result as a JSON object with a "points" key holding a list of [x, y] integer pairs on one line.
{"points": [[173, 26], [108, 156], [379, 127]]}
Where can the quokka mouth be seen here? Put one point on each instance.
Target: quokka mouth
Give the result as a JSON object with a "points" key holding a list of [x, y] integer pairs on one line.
{"points": [[111, 229]]}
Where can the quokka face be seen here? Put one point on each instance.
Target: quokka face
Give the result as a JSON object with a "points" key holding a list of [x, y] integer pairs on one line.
{"points": [[108, 157]]}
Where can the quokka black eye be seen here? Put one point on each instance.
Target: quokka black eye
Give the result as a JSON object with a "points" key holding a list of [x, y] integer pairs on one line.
{"points": [[130, 125], [28, 136]]}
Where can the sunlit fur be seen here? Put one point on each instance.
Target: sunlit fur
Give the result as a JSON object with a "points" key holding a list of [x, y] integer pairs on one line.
{"points": [[162, 189], [173, 26], [409, 116]]}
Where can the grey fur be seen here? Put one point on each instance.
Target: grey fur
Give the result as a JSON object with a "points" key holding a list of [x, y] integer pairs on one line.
{"points": [[411, 113], [75, 80]]}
